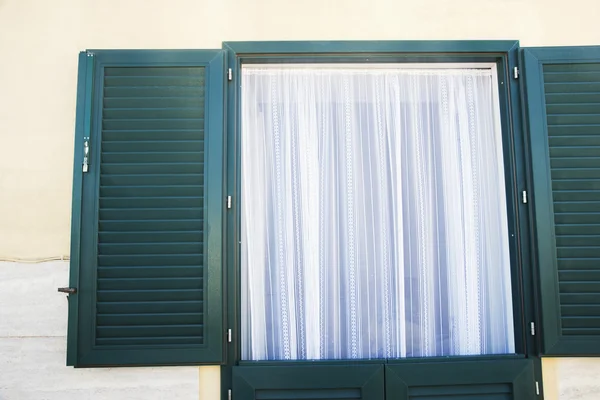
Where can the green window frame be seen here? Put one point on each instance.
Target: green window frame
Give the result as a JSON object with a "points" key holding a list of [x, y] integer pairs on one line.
{"points": [[503, 53], [512, 375]]}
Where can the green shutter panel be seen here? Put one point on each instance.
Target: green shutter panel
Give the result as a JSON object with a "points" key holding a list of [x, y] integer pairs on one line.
{"points": [[147, 225], [316, 382], [493, 380], [562, 88]]}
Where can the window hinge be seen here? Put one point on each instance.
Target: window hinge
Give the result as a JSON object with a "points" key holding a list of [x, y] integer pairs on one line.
{"points": [[229, 74], [532, 329], [228, 201], [86, 155], [229, 335], [537, 388], [516, 72], [229, 394], [524, 197]]}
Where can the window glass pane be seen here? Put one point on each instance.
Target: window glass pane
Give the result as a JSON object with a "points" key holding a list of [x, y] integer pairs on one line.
{"points": [[374, 217]]}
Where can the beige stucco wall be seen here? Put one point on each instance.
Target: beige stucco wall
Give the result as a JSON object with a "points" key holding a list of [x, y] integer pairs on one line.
{"points": [[39, 42]]}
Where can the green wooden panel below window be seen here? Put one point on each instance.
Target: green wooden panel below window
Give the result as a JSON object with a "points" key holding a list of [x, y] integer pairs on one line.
{"points": [[562, 87], [491, 380], [308, 382]]}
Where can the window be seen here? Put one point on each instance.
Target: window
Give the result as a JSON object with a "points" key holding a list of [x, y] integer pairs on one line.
{"points": [[371, 202], [374, 212]]}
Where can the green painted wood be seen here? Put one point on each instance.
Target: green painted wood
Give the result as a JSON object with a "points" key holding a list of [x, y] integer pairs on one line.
{"points": [[493, 380], [82, 131], [150, 290], [317, 382], [562, 86], [373, 47]]}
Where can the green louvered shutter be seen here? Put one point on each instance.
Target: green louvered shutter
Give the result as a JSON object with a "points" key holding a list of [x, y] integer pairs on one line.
{"points": [[562, 88], [147, 216]]}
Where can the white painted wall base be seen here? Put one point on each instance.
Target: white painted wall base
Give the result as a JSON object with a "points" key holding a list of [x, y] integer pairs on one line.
{"points": [[33, 326]]}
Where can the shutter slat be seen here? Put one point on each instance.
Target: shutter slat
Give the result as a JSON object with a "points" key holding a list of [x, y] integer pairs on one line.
{"points": [[579, 298], [574, 151], [153, 102], [577, 240], [137, 260], [154, 157], [151, 237], [586, 322], [149, 226], [577, 263], [146, 341], [577, 218], [582, 331], [144, 307], [573, 140], [195, 80], [576, 173], [576, 206], [153, 146], [580, 229], [149, 248], [579, 287], [572, 76], [576, 195], [149, 179], [573, 119], [149, 283], [571, 68], [585, 310], [146, 271], [149, 295], [153, 113], [150, 331], [570, 98], [579, 162], [572, 87], [140, 214], [153, 168], [153, 91], [578, 252], [146, 71], [171, 318], [576, 184]]}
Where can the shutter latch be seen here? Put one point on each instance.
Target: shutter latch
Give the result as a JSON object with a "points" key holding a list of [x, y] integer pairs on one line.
{"points": [[67, 290], [86, 153]]}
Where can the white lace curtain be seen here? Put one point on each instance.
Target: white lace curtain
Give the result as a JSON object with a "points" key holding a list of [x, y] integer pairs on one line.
{"points": [[373, 219]]}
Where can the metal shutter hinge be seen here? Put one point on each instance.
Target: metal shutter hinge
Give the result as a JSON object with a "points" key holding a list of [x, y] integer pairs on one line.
{"points": [[532, 329], [229, 74], [516, 72], [86, 153], [229, 335], [524, 197], [537, 388], [228, 201], [229, 394]]}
